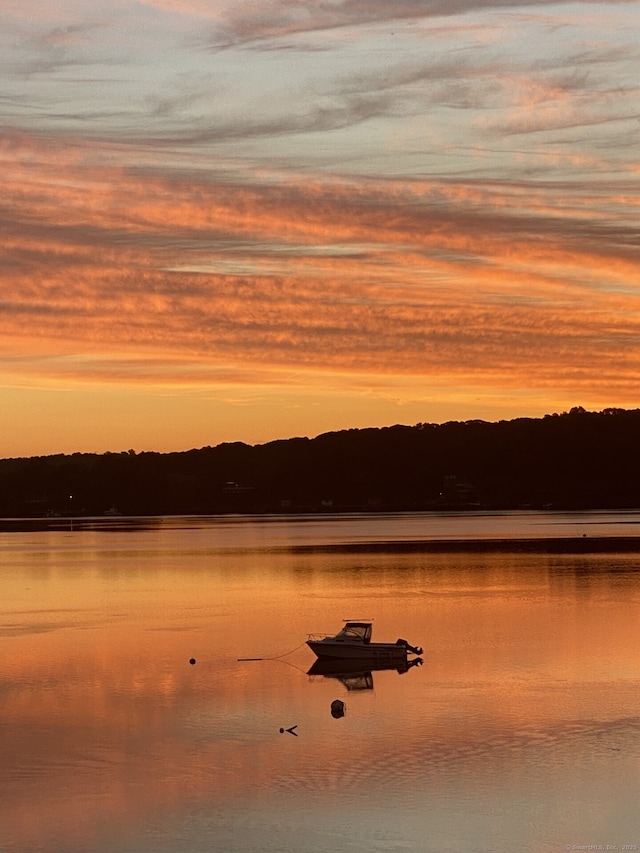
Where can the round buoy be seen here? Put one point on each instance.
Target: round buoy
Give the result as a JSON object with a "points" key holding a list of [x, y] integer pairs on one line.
{"points": [[338, 708], [192, 661], [281, 731]]}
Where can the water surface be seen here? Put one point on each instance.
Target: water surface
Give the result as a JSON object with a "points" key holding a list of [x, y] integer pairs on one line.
{"points": [[520, 731]]}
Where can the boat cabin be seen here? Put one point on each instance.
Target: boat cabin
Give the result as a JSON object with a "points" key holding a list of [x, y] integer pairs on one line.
{"points": [[359, 632]]}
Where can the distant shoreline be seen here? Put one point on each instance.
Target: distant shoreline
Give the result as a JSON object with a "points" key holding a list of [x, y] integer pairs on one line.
{"points": [[549, 545], [577, 461], [542, 545]]}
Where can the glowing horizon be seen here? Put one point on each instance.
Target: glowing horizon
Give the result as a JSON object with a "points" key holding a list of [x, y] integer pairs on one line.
{"points": [[246, 222]]}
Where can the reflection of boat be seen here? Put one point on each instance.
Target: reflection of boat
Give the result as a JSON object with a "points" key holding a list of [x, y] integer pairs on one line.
{"points": [[353, 642], [358, 674]]}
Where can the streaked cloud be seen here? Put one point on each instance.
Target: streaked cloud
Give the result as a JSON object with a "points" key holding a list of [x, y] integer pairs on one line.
{"points": [[398, 198], [279, 18], [375, 276]]}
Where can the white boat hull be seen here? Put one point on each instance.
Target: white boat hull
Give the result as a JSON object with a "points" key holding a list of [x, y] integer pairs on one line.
{"points": [[330, 649]]}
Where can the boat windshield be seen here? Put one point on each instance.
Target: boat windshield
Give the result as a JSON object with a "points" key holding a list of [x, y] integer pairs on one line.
{"points": [[356, 631]]}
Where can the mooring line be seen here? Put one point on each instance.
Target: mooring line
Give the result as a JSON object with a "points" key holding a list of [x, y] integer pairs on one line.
{"points": [[276, 657]]}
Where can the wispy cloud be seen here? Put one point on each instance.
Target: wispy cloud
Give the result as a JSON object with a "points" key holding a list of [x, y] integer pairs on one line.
{"points": [[276, 19], [251, 195], [374, 277]]}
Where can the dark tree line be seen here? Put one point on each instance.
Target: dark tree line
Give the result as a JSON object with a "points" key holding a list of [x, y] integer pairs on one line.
{"points": [[576, 460]]}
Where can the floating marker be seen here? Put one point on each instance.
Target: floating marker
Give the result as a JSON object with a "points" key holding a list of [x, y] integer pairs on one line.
{"points": [[337, 708], [192, 661]]}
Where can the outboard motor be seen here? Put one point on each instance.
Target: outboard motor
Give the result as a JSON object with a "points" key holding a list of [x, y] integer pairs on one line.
{"points": [[416, 650]]}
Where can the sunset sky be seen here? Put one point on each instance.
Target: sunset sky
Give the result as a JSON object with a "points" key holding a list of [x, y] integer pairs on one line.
{"points": [[226, 220]]}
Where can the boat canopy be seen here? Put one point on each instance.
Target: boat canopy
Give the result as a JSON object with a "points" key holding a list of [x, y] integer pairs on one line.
{"points": [[356, 631]]}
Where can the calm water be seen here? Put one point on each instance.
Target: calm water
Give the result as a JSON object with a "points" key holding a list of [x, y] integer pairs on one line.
{"points": [[520, 731]]}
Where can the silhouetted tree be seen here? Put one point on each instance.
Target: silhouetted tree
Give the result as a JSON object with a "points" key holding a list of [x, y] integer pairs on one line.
{"points": [[573, 460]]}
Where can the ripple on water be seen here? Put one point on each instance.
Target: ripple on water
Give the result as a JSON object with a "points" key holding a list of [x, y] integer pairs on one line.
{"points": [[411, 764]]}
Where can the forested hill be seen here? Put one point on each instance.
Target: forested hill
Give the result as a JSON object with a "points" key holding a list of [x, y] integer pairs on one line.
{"points": [[576, 460]]}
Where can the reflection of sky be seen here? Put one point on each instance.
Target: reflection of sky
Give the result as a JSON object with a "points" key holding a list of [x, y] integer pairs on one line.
{"points": [[526, 704], [331, 214]]}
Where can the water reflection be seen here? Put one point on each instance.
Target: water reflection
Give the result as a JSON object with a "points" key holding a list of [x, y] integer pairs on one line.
{"points": [[358, 675], [524, 736], [579, 532]]}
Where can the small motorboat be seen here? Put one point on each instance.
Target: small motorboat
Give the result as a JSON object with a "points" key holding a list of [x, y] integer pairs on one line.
{"points": [[353, 642]]}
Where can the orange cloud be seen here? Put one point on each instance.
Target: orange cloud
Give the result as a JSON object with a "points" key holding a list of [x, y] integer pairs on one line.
{"points": [[255, 289], [157, 277]]}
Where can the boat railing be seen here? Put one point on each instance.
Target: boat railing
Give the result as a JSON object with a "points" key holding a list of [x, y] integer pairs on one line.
{"points": [[317, 637]]}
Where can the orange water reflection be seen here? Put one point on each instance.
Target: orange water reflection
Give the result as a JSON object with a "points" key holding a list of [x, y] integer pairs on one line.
{"points": [[531, 668]]}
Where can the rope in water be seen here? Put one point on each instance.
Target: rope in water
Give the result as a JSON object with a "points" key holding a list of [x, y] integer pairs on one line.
{"points": [[277, 657]]}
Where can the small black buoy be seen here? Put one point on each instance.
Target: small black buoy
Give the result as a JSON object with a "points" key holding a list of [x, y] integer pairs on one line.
{"points": [[192, 661], [281, 731], [338, 709]]}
